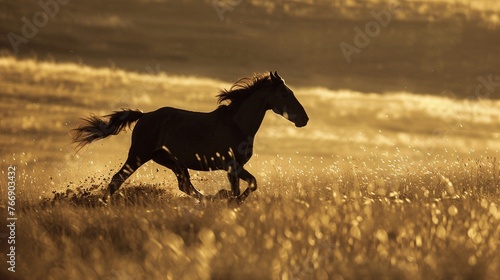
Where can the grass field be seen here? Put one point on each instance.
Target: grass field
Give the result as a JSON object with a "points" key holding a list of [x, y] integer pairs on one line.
{"points": [[312, 230], [377, 186]]}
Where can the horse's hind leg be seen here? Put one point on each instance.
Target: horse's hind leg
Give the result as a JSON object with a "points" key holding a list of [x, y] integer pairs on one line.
{"points": [[163, 157], [185, 184], [130, 166]]}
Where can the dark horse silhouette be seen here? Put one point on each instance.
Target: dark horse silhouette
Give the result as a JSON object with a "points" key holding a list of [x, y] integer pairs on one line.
{"points": [[182, 140]]}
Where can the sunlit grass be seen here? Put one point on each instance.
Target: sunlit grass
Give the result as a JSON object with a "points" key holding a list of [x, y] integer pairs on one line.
{"points": [[347, 221]]}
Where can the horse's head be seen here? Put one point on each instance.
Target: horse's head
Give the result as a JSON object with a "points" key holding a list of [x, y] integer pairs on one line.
{"points": [[283, 102]]}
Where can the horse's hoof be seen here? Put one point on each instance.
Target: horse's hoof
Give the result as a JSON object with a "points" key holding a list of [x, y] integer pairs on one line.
{"points": [[105, 198], [103, 201], [234, 201], [222, 194]]}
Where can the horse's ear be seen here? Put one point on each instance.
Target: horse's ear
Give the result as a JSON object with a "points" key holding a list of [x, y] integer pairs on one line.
{"points": [[272, 76], [277, 76]]}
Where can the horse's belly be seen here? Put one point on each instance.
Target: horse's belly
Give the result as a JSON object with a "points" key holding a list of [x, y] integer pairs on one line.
{"points": [[208, 155], [200, 142], [210, 162], [202, 160]]}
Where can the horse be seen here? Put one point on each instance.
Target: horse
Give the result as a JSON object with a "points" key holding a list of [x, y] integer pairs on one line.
{"points": [[204, 141]]}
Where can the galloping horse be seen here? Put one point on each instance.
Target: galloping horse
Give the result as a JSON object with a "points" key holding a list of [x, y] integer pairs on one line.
{"points": [[182, 140]]}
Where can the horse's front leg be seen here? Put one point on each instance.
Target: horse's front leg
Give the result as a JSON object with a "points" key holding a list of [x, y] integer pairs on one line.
{"points": [[251, 181], [234, 180]]}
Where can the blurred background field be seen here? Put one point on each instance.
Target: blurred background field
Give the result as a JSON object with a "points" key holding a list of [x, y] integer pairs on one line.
{"points": [[395, 176], [428, 46]]}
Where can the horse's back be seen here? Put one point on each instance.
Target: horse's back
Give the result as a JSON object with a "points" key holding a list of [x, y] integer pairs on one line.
{"points": [[168, 122]]}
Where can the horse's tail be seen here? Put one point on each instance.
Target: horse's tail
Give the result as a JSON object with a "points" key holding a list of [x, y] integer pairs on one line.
{"points": [[96, 128]]}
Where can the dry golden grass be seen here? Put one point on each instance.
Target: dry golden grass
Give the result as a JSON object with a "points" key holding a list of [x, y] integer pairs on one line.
{"points": [[344, 224]]}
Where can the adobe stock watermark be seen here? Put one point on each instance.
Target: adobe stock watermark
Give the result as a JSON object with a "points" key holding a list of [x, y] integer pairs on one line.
{"points": [[372, 29], [223, 6], [127, 99], [486, 86], [484, 89], [11, 218], [39, 19]]}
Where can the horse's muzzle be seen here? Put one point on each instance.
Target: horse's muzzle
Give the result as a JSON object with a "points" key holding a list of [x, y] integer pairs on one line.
{"points": [[301, 121]]}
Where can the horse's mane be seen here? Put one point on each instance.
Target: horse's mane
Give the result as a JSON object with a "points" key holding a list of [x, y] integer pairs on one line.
{"points": [[244, 87]]}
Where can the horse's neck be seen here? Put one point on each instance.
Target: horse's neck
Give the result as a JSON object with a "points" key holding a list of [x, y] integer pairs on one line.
{"points": [[251, 112]]}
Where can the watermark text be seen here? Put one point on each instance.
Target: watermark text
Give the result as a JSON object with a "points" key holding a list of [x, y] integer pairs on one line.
{"points": [[39, 19], [372, 29], [11, 218]]}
